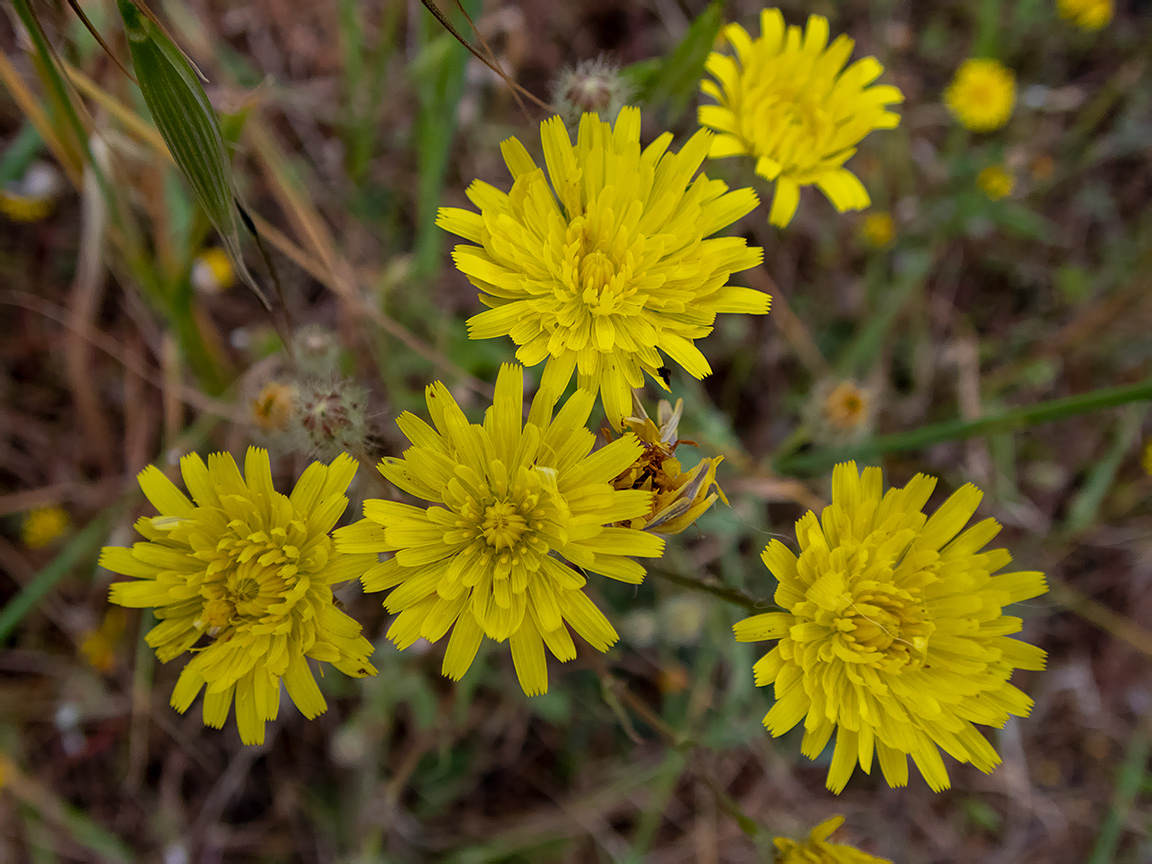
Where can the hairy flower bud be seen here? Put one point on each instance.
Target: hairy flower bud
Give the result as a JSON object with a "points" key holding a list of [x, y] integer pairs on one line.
{"points": [[594, 86], [333, 417]]}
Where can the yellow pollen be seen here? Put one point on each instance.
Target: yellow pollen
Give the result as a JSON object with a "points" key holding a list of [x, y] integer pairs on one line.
{"points": [[503, 526]]}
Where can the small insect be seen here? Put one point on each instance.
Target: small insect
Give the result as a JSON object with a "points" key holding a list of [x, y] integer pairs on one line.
{"points": [[665, 375]]}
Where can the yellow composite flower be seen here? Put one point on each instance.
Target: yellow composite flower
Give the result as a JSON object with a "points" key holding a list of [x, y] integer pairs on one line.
{"points": [[212, 271], [25, 208], [878, 229], [817, 850], [982, 94], [894, 634], [512, 506], [1087, 14], [610, 265], [242, 576], [43, 526], [996, 182], [787, 100]]}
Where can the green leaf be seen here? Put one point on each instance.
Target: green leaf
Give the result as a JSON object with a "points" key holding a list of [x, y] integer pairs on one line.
{"points": [[189, 126], [679, 75]]}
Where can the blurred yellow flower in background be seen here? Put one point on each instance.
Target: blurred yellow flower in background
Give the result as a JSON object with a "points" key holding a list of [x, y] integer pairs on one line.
{"points": [[33, 197], [1146, 460], [611, 264], [212, 271], [512, 503], [251, 571], [817, 850], [787, 100], [894, 635], [274, 405], [99, 646], [679, 497], [996, 182], [43, 526], [1086, 14], [878, 229], [982, 94]]}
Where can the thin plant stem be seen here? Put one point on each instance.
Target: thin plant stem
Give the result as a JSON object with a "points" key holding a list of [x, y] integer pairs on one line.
{"points": [[958, 430]]}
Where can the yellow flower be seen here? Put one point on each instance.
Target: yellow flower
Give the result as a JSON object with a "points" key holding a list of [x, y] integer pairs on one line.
{"points": [[99, 646], [982, 94], [817, 850], [616, 271], [894, 634], [1086, 14], [1146, 460], [787, 100], [212, 271], [243, 578], [995, 182], [878, 229], [274, 406], [24, 208], [32, 198], [679, 498], [512, 504], [44, 526]]}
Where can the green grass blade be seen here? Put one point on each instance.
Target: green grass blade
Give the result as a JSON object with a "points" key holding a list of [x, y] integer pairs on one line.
{"points": [[958, 430], [189, 126], [82, 546], [1085, 507]]}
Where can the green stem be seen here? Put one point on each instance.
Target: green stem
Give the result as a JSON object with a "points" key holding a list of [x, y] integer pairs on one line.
{"points": [[958, 430], [732, 595]]}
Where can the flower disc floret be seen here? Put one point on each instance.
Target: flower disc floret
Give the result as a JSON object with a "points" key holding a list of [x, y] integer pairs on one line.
{"points": [[514, 505], [982, 94], [242, 576], [606, 260], [787, 100], [894, 634]]}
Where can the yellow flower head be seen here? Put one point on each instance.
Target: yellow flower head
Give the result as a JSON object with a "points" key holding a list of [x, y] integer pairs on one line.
{"points": [[212, 271], [1086, 14], [679, 497], [894, 634], [274, 406], [982, 94], [99, 646], [32, 198], [614, 272], [817, 850], [878, 229], [44, 526], [787, 100], [1146, 459], [242, 576], [24, 208], [511, 504], [996, 182]]}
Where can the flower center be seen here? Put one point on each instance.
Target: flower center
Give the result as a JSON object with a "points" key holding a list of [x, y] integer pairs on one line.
{"points": [[881, 621], [246, 576], [503, 525], [597, 264]]}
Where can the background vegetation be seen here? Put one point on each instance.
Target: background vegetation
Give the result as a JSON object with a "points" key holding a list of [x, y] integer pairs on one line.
{"points": [[350, 123]]}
